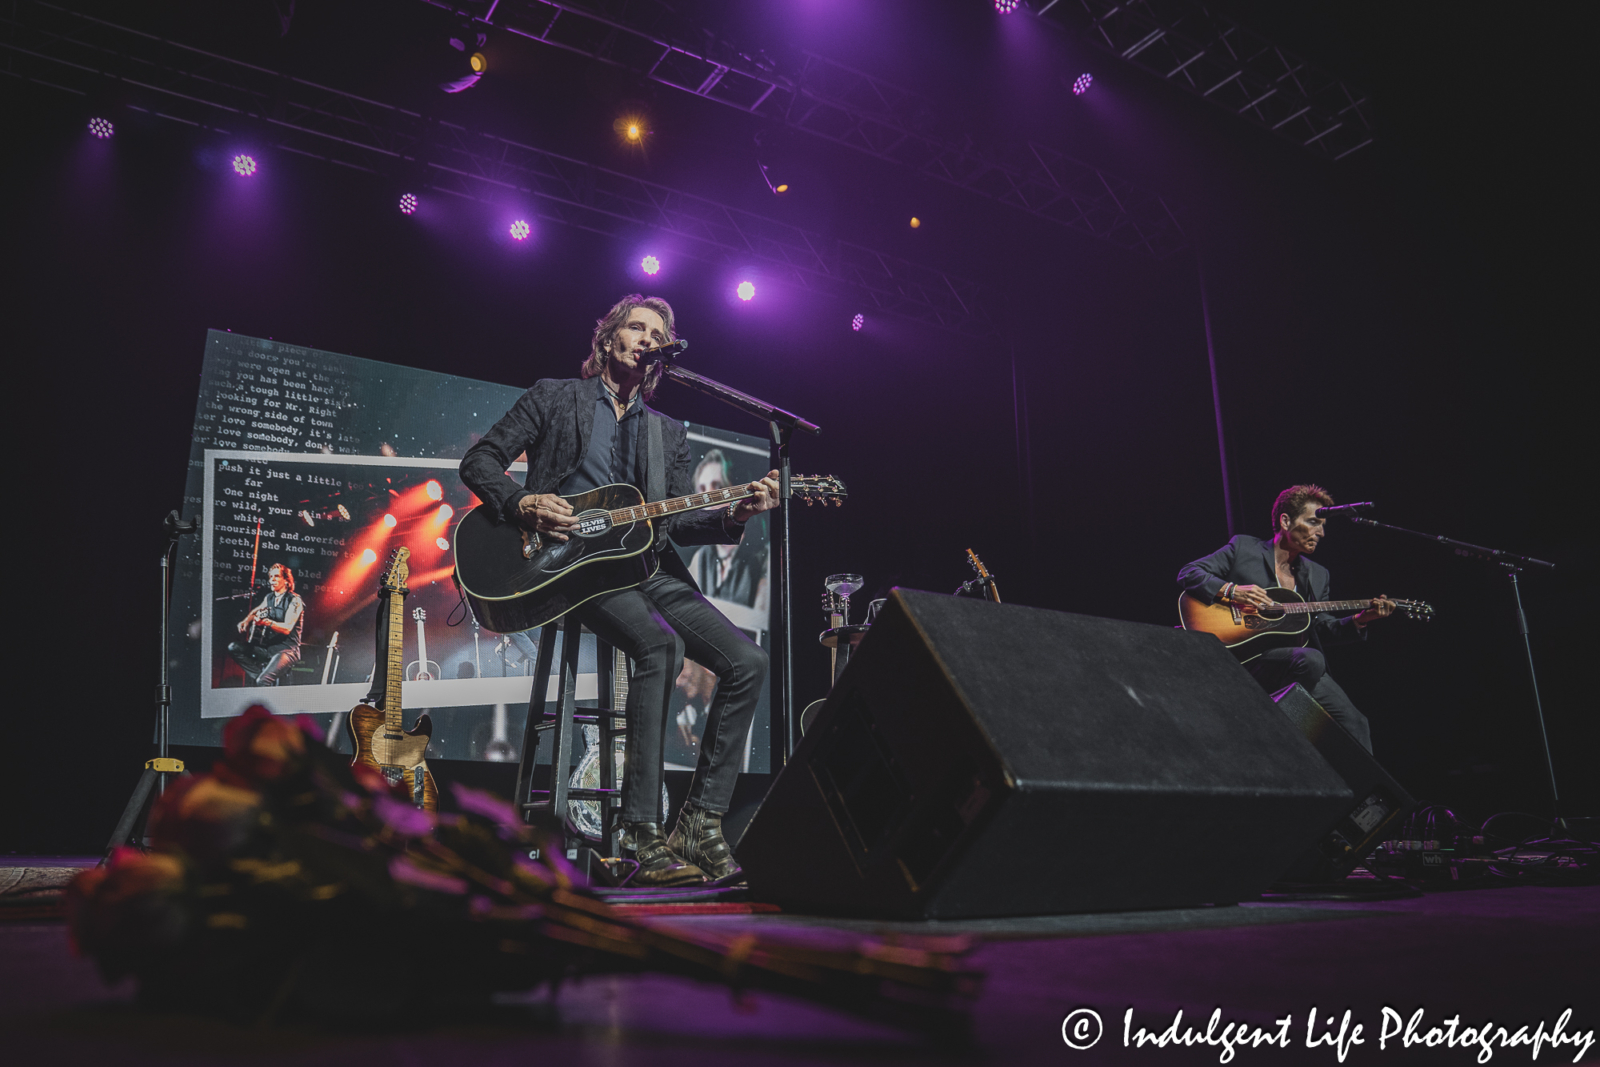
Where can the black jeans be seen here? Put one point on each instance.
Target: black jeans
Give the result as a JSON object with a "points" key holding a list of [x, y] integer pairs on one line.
{"points": [[1285, 666], [268, 665], [655, 625]]}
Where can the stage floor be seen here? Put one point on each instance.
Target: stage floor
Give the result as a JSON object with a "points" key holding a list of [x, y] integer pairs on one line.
{"points": [[1514, 955]]}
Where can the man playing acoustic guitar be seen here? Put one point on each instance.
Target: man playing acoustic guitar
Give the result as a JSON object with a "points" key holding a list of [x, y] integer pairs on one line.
{"points": [[1241, 572], [583, 433]]}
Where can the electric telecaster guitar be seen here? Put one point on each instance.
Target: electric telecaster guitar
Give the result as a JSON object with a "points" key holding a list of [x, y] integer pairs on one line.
{"points": [[1248, 632], [516, 580], [381, 739]]}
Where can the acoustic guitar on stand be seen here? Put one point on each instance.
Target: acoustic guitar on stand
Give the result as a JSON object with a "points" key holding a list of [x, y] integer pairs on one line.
{"points": [[1248, 631], [381, 739]]}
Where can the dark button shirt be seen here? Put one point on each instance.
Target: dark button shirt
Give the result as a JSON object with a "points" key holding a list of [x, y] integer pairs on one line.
{"points": [[612, 456]]}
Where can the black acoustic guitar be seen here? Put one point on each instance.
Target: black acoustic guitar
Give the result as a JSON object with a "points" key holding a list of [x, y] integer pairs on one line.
{"points": [[516, 580]]}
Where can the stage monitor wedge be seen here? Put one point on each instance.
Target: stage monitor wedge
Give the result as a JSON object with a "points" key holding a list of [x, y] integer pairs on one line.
{"points": [[980, 759]]}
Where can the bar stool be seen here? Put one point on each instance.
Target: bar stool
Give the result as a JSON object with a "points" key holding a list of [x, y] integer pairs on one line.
{"points": [[610, 724]]}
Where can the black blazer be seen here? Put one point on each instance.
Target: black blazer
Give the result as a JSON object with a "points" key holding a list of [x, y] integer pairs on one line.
{"points": [[1249, 560], [552, 422]]}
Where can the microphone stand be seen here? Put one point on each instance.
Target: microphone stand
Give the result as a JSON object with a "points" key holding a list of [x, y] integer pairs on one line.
{"points": [[1514, 565], [781, 425], [154, 778]]}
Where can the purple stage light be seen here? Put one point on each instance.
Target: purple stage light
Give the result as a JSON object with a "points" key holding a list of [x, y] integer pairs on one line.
{"points": [[408, 203], [650, 264], [244, 166], [1081, 86], [858, 322], [1006, 7], [520, 230], [101, 128], [746, 291]]}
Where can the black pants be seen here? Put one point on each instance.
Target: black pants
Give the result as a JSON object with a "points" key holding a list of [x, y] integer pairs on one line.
{"points": [[269, 664], [1285, 666], [655, 625]]}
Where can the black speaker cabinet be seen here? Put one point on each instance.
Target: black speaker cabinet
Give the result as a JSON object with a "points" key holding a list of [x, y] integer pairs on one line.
{"points": [[1380, 804], [980, 759]]}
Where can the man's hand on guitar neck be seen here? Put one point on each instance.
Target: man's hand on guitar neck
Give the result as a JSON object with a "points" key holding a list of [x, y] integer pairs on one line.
{"points": [[764, 498], [1380, 607], [546, 513]]}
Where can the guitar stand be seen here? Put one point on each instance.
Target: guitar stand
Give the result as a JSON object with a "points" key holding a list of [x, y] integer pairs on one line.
{"points": [[156, 771]]}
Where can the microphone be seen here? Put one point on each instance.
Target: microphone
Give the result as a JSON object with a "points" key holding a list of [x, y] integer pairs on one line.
{"points": [[1347, 510], [655, 355]]}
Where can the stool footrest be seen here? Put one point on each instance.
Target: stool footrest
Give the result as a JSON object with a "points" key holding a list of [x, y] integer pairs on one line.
{"points": [[549, 722]]}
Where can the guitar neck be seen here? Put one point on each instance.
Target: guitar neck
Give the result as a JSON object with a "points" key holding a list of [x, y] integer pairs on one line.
{"points": [[1330, 606], [395, 668], [692, 502]]}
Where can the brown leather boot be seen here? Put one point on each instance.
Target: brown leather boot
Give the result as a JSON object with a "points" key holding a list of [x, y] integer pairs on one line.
{"points": [[698, 838], [659, 864]]}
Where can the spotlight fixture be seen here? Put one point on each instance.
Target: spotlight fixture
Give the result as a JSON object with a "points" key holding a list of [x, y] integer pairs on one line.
{"points": [[1081, 86], [746, 291], [859, 321], [1006, 7], [632, 128], [244, 166], [368, 556], [305, 517], [520, 230], [775, 160], [434, 490], [408, 203], [650, 265], [344, 513], [916, 223], [101, 128], [444, 546], [469, 42], [444, 513], [390, 521]]}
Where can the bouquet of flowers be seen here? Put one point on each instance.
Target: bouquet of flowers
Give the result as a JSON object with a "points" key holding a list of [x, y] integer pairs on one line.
{"points": [[288, 881]]}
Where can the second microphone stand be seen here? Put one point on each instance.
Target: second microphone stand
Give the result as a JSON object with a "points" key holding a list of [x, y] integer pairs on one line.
{"points": [[781, 425], [1513, 565]]}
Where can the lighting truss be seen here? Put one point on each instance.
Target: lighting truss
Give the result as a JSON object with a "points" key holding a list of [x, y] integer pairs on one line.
{"points": [[1213, 57], [52, 46], [850, 108]]}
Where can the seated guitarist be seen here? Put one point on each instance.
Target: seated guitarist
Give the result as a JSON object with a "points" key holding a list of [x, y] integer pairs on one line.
{"points": [[1241, 572], [583, 433]]}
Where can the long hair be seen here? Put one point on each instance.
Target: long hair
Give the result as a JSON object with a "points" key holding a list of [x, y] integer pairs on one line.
{"points": [[288, 575], [605, 331]]}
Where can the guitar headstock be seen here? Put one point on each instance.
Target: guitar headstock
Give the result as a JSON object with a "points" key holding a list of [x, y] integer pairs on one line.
{"points": [[419, 615], [977, 565], [396, 571], [818, 487], [1415, 610]]}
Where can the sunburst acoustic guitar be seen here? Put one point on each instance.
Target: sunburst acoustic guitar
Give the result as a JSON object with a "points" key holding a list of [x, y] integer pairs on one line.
{"points": [[1248, 632], [381, 739]]}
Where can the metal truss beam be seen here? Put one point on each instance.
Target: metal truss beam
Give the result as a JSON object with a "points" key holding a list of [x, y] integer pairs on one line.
{"points": [[1215, 58], [52, 46], [848, 107]]}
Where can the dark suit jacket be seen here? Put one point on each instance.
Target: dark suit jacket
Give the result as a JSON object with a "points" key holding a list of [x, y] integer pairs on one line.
{"points": [[1249, 560], [551, 422]]}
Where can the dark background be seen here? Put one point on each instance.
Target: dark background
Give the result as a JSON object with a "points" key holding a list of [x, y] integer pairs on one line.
{"points": [[1401, 326]]}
